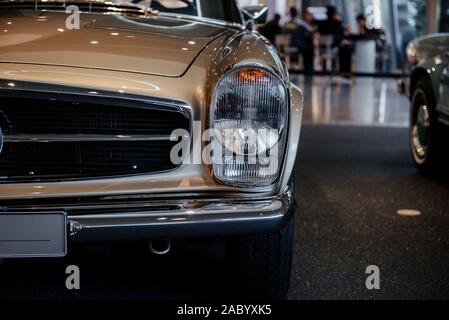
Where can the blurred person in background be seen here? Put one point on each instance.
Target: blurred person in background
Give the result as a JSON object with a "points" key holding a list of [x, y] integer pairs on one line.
{"points": [[290, 28], [272, 28], [293, 23], [303, 38], [365, 30], [335, 27]]}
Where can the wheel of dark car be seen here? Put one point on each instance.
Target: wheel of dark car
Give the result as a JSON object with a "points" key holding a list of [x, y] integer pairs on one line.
{"points": [[425, 130], [262, 263]]}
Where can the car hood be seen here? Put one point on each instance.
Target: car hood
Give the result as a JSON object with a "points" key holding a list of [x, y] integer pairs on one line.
{"points": [[153, 45]]}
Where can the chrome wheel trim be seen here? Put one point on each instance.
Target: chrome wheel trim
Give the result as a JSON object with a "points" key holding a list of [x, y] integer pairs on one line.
{"points": [[420, 133]]}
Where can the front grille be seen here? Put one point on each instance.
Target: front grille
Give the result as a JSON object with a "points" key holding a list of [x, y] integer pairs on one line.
{"points": [[55, 139]]}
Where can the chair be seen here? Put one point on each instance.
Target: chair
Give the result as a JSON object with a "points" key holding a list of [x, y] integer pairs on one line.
{"points": [[327, 52], [282, 42]]}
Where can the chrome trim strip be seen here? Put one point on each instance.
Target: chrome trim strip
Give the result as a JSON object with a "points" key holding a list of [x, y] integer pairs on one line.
{"points": [[77, 226], [44, 138], [23, 89], [193, 212], [205, 209], [124, 202]]}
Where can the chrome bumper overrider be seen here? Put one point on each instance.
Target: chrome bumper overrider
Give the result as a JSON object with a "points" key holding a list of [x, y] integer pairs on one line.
{"points": [[189, 218]]}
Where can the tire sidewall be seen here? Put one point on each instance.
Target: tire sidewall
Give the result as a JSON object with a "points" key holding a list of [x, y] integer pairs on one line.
{"points": [[422, 93]]}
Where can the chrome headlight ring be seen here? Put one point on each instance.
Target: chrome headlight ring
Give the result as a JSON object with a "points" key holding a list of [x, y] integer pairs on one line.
{"points": [[249, 117]]}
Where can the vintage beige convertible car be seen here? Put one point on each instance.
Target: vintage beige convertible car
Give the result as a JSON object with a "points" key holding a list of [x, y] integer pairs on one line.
{"points": [[114, 126]]}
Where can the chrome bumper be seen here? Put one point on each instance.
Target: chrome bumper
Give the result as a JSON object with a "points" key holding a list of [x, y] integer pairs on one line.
{"points": [[190, 218]]}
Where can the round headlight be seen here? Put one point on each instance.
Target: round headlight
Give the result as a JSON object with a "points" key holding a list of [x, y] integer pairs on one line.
{"points": [[249, 116]]}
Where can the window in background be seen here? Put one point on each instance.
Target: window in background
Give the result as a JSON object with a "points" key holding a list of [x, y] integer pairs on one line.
{"points": [[412, 21], [402, 21], [217, 9], [444, 18]]}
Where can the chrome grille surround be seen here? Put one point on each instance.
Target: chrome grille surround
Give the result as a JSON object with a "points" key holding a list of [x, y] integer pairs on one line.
{"points": [[134, 138]]}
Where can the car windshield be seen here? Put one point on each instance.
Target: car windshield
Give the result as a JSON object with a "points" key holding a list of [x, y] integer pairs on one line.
{"points": [[225, 10]]}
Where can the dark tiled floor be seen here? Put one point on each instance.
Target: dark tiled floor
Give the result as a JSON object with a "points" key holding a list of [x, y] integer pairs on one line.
{"points": [[351, 183]]}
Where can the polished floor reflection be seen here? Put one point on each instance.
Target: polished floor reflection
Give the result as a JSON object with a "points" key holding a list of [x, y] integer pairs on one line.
{"points": [[363, 101]]}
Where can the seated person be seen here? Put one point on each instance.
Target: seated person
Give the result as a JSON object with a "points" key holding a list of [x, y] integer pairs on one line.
{"points": [[293, 23], [365, 31], [304, 39], [335, 27]]}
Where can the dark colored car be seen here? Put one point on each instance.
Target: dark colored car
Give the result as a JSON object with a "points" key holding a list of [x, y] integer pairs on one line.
{"points": [[427, 86]]}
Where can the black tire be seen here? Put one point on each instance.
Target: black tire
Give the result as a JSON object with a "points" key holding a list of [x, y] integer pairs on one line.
{"points": [[429, 161], [263, 263]]}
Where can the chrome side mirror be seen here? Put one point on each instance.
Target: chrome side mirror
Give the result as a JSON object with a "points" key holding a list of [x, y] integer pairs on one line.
{"points": [[256, 14]]}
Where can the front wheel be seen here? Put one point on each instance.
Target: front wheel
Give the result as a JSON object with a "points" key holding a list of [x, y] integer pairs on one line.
{"points": [[263, 263], [426, 137]]}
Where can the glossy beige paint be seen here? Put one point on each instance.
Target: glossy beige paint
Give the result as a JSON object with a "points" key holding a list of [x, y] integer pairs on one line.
{"points": [[108, 42], [195, 88]]}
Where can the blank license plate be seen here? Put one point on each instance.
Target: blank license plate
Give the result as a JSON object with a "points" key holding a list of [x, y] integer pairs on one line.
{"points": [[27, 235]]}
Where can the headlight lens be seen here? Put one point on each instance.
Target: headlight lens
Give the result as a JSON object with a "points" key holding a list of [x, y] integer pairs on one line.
{"points": [[249, 116]]}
